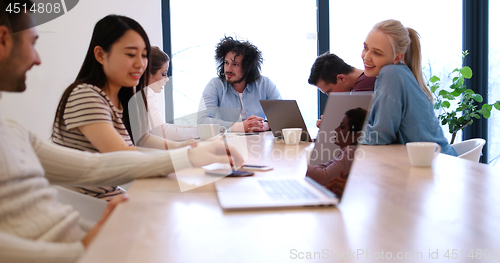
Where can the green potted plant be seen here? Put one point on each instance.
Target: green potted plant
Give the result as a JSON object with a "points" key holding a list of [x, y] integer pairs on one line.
{"points": [[468, 102]]}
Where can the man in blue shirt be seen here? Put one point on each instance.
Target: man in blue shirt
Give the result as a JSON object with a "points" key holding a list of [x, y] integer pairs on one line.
{"points": [[232, 99]]}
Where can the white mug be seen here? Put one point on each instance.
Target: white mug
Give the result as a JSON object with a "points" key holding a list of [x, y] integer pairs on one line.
{"points": [[422, 153], [207, 131], [292, 135]]}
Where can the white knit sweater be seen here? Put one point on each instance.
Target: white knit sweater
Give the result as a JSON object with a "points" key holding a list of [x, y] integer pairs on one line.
{"points": [[34, 227]]}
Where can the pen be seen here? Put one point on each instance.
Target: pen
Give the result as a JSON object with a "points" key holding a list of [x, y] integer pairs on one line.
{"points": [[227, 152]]}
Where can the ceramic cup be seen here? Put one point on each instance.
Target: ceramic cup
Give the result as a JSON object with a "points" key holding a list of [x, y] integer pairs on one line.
{"points": [[422, 153], [207, 131], [292, 135]]}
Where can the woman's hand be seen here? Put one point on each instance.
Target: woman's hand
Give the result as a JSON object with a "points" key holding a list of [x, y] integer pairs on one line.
{"points": [[214, 152], [337, 185], [318, 122], [190, 142], [109, 208]]}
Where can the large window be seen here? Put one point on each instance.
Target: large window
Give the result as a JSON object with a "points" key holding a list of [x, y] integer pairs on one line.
{"points": [[285, 32], [493, 139], [440, 31]]}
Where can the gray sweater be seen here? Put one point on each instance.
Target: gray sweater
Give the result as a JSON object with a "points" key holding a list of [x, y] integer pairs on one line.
{"points": [[34, 227]]}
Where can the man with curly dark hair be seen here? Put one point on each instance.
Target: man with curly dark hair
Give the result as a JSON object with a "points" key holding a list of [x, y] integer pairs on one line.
{"points": [[232, 99]]}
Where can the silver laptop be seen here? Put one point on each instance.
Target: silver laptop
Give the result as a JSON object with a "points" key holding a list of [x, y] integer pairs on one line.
{"points": [[282, 191], [283, 114], [338, 103]]}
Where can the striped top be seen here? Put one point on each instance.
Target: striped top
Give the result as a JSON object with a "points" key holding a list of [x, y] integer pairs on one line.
{"points": [[87, 104]]}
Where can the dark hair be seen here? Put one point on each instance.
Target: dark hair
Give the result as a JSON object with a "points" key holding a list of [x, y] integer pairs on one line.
{"points": [[356, 119], [107, 32], [15, 21], [252, 57], [326, 67], [158, 59]]}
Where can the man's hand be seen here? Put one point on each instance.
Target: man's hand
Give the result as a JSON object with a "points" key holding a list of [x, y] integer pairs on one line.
{"points": [[255, 124], [109, 208], [214, 152]]}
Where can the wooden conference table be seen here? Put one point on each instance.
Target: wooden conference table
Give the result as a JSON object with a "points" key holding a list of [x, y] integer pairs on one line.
{"points": [[389, 210]]}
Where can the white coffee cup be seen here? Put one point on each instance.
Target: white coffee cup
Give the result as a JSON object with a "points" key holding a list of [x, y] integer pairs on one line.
{"points": [[207, 131], [422, 153], [292, 135]]}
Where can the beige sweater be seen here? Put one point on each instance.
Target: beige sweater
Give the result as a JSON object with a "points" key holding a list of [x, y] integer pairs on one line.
{"points": [[34, 227]]}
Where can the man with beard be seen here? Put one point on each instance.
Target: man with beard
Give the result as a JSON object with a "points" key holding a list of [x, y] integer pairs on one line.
{"points": [[34, 226], [232, 99]]}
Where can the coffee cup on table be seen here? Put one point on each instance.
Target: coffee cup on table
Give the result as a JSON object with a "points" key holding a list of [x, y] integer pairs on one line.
{"points": [[207, 131], [292, 135], [422, 153]]}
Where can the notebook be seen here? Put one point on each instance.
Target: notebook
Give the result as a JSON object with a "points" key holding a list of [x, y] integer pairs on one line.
{"points": [[283, 191], [283, 114]]}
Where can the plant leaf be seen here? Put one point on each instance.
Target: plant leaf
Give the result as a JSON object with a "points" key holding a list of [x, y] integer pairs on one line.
{"points": [[434, 88], [477, 97], [487, 106], [437, 105], [434, 79], [497, 105], [466, 72], [486, 113], [461, 89], [446, 104], [469, 91], [443, 92]]}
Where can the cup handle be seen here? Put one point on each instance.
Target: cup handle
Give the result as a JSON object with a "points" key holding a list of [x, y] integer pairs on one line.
{"points": [[223, 129], [438, 148]]}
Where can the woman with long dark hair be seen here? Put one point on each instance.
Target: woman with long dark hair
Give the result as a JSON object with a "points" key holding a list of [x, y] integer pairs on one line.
{"points": [[105, 108]]}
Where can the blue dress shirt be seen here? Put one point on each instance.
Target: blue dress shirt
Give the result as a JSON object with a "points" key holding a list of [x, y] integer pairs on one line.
{"points": [[221, 104]]}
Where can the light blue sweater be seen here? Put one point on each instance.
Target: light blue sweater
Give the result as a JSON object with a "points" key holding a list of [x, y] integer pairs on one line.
{"points": [[401, 112]]}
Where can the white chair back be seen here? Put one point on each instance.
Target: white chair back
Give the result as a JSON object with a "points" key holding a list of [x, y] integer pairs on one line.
{"points": [[470, 149]]}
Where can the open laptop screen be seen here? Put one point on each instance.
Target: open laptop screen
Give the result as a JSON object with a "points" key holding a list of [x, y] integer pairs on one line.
{"points": [[342, 124]]}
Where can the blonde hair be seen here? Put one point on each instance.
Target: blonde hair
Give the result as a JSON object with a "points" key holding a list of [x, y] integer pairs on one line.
{"points": [[405, 40]]}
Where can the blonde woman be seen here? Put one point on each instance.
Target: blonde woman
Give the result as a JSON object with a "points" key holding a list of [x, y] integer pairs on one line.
{"points": [[402, 109]]}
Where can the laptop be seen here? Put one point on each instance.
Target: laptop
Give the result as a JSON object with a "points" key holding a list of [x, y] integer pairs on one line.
{"points": [[336, 106], [283, 191], [283, 114]]}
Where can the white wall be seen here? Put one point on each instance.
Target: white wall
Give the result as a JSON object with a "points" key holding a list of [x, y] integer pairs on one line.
{"points": [[62, 46]]}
